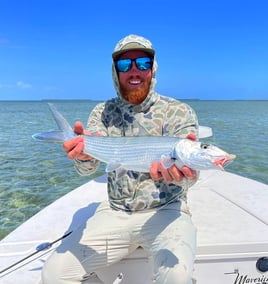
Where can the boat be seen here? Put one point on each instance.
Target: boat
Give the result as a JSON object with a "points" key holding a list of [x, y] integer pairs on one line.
{"points": [[229, 211]]}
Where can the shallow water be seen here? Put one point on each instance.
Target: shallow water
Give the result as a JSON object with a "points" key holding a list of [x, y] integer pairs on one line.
{"points": [[34, 174]]}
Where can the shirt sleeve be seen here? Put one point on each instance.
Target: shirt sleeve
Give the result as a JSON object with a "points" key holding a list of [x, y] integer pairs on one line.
{"points": [[181, 120]]}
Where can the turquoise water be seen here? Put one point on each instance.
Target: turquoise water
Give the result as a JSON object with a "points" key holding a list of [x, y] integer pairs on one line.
{"points": [[34, 174]]}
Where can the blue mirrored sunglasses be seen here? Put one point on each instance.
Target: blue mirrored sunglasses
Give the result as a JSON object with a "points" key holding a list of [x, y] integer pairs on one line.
{"points": [[142, 63]]}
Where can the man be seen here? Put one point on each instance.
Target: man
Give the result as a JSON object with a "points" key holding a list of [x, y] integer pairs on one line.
{"points": [[143, 209]]}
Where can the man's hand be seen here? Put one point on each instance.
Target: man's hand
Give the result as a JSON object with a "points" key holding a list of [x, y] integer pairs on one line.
{"points": [[172, 174], [74, 147]]}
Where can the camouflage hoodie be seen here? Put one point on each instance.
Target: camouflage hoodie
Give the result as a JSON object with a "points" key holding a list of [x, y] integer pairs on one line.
{"points": [[156, 115]]}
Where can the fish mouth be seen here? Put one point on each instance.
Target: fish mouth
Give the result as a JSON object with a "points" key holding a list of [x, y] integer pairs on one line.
{"points": [[224, 161]]}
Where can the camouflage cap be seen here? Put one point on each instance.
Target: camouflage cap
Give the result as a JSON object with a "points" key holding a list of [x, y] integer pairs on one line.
{"points": [[133, 42]]}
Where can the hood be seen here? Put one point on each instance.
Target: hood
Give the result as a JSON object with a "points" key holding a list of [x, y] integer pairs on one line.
{"points": [[131, 42]]}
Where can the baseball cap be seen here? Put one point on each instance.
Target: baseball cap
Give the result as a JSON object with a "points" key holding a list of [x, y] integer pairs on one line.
{"points": [[133, 42]]}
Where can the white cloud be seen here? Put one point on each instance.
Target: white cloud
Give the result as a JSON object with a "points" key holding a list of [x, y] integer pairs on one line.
{"points": [[23, 85], [18, 85]]}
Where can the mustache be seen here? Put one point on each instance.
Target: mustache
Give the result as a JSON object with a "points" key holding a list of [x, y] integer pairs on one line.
{"points": [[136, 96]]}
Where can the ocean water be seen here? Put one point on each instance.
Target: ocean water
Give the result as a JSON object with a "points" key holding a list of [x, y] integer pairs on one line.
{"points": [[34, 174]]}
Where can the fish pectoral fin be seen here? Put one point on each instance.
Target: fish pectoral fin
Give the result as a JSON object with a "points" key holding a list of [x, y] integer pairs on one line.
{"points": [[112, 167], [119, 170], [167, 161]]}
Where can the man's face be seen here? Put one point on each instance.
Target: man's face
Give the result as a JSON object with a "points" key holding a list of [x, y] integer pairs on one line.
{"points": [[135, 83]]}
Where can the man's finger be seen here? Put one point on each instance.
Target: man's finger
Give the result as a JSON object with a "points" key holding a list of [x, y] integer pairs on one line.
{"points": [[70, 144], [78, 149], [191, 136], [78, 128], [154, 171], [166, 175], [189, 173], [176, 174]]}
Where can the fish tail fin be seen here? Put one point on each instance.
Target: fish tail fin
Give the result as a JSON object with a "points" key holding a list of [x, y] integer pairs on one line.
{"points": [[50, 136], [62, 123], [65, 133]]}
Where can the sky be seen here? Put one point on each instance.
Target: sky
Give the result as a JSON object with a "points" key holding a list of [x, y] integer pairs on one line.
{"points": [[61, 49]]}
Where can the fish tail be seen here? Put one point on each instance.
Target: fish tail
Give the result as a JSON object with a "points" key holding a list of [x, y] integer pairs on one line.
{"points": [[62, 123], [50, 136], [65, 133]]}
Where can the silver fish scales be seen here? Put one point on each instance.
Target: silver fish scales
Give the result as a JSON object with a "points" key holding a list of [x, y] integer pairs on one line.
{"points": [[137, 153]]}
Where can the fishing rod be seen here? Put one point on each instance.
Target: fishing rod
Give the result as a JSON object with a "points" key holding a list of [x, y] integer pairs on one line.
{"points": [[39, 248]]}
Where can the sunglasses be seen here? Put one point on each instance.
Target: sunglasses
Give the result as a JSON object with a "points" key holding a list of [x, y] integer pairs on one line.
{"points": [[142, 63]]}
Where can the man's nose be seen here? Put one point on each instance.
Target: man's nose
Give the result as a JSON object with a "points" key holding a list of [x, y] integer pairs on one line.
{"points": [[133, 67]]}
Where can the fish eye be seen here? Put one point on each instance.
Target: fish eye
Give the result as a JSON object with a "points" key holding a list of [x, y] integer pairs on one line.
{"points": [[204, 146]]}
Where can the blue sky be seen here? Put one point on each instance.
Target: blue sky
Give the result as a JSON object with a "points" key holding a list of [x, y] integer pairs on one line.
{"points": [[61, 49]]}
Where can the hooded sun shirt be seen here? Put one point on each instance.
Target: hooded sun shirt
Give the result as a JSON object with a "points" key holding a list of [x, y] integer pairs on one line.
{"points": [[157, 115]]}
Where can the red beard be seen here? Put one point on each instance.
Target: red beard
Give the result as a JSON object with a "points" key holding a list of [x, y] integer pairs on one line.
{"points": [[137, 96]]}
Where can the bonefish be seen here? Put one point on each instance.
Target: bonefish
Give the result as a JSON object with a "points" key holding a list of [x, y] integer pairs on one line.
{"points": [[137, 153]]}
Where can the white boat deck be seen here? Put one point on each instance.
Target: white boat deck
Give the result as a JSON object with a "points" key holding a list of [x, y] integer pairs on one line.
{"points": [[229, 211]]}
